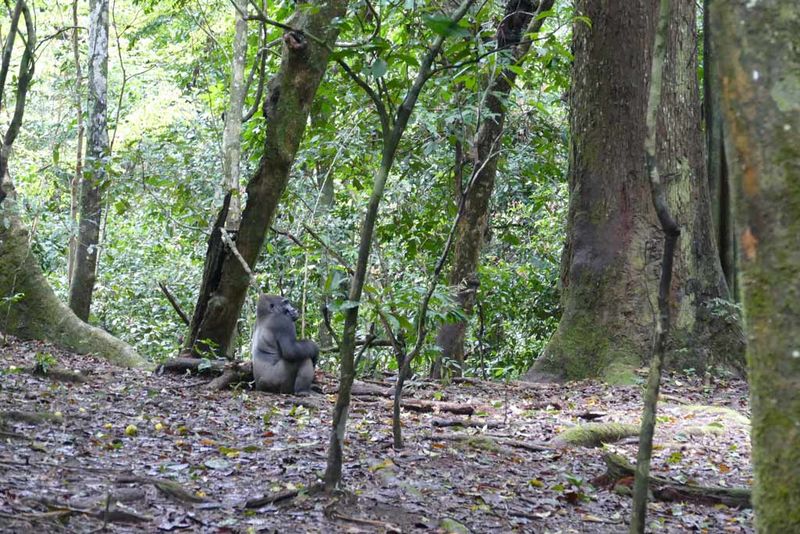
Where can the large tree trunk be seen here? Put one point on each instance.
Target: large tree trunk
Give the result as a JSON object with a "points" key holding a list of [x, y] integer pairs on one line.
{"points": [[488, 141], [28, 307], [717, 168], [611, 261], [286, 110], [94, 175], [757, 45]]}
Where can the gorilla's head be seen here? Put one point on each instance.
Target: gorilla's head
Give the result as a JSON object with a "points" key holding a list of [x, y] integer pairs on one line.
{"points": [[276, 304]]}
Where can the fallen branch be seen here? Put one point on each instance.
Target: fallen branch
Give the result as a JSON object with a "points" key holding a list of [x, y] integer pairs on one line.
{"points": [[665, 490], [173, 302], [59, 374], [425, 406], [33, 418], [170, 488], [381, 525], [181, 365], [489, 442], [235, 373], [276, 497], [444, 423]]}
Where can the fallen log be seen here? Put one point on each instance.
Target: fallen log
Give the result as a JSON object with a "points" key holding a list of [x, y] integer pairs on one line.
{"points": [[618, 467], [235, 373], [182, 364], [442, 423], [425, 406]]}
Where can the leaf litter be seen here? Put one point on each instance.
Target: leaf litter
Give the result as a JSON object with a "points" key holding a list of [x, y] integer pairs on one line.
{"points": [[128, 451]]}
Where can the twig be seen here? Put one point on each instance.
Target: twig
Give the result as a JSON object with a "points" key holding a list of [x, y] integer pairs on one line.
{"points": [[229, 241], [173, 302]]}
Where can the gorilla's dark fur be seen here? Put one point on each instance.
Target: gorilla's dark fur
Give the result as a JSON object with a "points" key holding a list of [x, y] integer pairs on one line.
{"points": [[281, 363]]}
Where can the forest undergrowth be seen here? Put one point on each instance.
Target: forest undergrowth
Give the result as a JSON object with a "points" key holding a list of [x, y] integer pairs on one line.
{"points": [[128, 450]]}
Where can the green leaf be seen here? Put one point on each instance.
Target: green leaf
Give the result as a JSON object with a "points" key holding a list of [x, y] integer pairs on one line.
{"points": [[444, 26], [379, 68]]}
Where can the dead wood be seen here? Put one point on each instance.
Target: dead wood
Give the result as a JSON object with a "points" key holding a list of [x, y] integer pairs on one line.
{"points": [[235, 373], [280, 496], [181, 365], [363, 389], [170, 488], [442, 423], [34, 418], [490, 442], [173, 302], [425, 406], [58, 374], [665, 490]]}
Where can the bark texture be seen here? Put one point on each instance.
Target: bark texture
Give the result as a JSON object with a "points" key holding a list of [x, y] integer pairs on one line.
{"points": [[611, 261], [75, 183], [286, 111], [719, 186], [94, 174], [486, 146], [231, 135], [759, 57], [30, 310]]}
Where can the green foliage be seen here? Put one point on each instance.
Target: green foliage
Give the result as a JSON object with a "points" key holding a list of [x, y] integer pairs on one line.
{"points": [[166, 173], [44, 361]]}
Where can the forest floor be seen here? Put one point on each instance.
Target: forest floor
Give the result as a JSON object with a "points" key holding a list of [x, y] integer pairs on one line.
{"points": [[112, 443]]}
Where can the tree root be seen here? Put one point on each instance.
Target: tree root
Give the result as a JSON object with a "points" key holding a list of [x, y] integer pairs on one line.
{"points": [[663, 489]]}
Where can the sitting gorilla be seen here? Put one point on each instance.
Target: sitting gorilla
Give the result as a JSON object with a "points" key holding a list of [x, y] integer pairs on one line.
{"points": [[281, 363]]}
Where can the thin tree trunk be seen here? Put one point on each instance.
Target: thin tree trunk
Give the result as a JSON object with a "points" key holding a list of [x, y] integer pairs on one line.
{"points": [[28, 306], [286, 109], [95, 173], [757, 45], [716, 165], [326, 198], [232, 133], [486, 146], [74, 185], [610, 265], [392, 130], [671, 234]]}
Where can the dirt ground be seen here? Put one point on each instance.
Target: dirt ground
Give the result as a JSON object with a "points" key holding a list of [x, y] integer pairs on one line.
{"points": [[108, 451]]}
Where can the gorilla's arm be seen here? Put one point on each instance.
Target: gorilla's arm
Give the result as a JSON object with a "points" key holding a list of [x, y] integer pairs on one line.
{"points": [[295, 351]]}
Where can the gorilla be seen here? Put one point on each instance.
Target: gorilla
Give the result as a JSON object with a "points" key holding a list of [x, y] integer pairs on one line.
{"points": [[281, 363]]}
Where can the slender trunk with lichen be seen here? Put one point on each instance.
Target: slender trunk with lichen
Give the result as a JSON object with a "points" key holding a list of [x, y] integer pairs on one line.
{"points": [[513, 36], [671, 233], [286, 109], [93, 179], [719, 186], [28, 306], [611, 261], [760, 85], [231, 135], [392, 127], [74, 185]]}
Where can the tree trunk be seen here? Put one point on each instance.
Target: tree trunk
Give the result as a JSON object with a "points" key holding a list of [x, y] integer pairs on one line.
{"points": [[231, 136], [74, 185], [717, 168], [486, 146], [28, 307], [757, 45], [610, 264], [95, 173], [286, 110]]}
